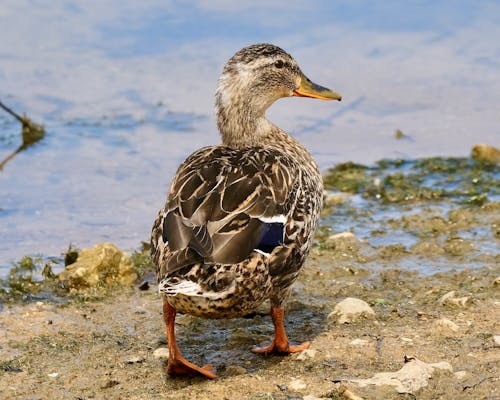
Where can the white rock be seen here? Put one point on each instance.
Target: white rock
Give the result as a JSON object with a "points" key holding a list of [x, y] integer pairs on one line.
{"points": [[341, 236], [450, 299], [350, 310], [414, 375], [307, 354], [53, 375], [348, 394], [461, 375], [445, 326], [496, 340], [310, 397], [358, 342], [161, 352], [297, 384]]}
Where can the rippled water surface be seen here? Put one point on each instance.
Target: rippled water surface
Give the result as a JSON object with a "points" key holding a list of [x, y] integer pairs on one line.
{"points": [[125, 92]]}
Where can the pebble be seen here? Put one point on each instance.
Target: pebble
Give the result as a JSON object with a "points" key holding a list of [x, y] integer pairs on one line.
{"points": [[297, 384], [341, 236], [160, 352], [496, 340], [348, 394], [350, 310], [485, 152], [445, 326], [103, 264], [311, 397], [307, 354], [450, 299], [53, 375], [461, 375], [413, 376], [358, 342]]}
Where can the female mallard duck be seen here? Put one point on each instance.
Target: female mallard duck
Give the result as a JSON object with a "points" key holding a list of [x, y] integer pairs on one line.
{"points": [[239, 217]]}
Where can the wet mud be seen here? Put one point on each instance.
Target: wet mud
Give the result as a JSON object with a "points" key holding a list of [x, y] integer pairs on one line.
{"points": [[421, 251]]}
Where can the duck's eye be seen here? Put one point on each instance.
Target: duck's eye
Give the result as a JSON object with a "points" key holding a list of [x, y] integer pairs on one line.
{"points": [[279, 64]]}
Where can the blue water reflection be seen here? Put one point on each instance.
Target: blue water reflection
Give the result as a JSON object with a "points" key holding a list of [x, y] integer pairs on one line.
{"points": [[125, 90]]}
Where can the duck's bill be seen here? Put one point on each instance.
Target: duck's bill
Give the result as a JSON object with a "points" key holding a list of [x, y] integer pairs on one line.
{"points": [[310, 89]]}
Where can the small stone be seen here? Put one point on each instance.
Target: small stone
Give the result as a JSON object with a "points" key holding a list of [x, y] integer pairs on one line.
{"points": [[496, 340], [297, 384], [407, 340], [53, 375], [144, 285], [445, 326], [461, 375], [104, 264], [310, 397], [484, 152], [358, 342], [341, 236], [350, 310], [147, 281], [496, 281], [160, 352], [348, 394], [413, 376], [450, 299], [307, 354]]}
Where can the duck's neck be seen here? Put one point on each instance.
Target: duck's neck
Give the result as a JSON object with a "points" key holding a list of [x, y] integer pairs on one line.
{"points": [[242, 123], [242, 126]]}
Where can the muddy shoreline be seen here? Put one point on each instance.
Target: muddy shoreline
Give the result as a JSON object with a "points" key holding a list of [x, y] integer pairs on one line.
{"points": [[106, 349], [427, 266]]}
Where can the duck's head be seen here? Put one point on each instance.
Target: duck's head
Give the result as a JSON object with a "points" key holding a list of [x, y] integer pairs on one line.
{"points": [[253, 79]]}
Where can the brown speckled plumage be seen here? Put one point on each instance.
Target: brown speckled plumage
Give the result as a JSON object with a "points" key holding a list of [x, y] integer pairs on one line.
{"points": [[223, 199]]}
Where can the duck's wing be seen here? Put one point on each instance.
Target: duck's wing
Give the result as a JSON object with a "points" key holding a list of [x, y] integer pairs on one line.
{"points": [[225, 203]]}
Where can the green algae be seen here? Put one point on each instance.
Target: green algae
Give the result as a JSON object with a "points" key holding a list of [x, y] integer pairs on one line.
{"points": [[142, 261], [465, 180], [347, 177]]}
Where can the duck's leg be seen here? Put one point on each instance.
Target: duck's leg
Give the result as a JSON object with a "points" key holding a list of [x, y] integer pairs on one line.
{"points": [[280, 344], [178, 365]]}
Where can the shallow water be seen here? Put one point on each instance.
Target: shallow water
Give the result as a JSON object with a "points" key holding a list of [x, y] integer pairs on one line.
{"points": [[125, 91]]}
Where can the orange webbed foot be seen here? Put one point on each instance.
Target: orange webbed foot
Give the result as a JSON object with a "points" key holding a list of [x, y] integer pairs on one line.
{"points": [[178, 365], [280, 345], [281, 348], [181, 367]]}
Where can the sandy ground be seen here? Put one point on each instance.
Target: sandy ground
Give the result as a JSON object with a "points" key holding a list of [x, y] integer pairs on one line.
{"points": [[104, 349]]}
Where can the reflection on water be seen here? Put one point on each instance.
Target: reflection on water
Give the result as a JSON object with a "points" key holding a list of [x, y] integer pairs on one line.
{"points": [[125, 91]]}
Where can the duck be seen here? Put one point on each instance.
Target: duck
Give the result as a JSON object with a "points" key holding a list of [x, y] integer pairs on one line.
{"points": [[239, 217]]}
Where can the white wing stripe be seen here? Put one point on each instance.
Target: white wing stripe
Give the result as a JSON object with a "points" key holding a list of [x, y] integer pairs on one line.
{"points": [[274, 219]]}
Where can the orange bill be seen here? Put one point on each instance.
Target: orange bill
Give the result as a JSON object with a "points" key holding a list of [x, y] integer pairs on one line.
{"points": [[310, 89]]}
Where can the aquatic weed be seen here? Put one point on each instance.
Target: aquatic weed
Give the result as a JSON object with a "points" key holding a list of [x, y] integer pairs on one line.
{"points": [[463, 180]]}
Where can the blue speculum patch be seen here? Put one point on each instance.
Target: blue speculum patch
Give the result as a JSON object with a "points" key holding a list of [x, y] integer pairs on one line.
{"points": [[271, 237]]}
